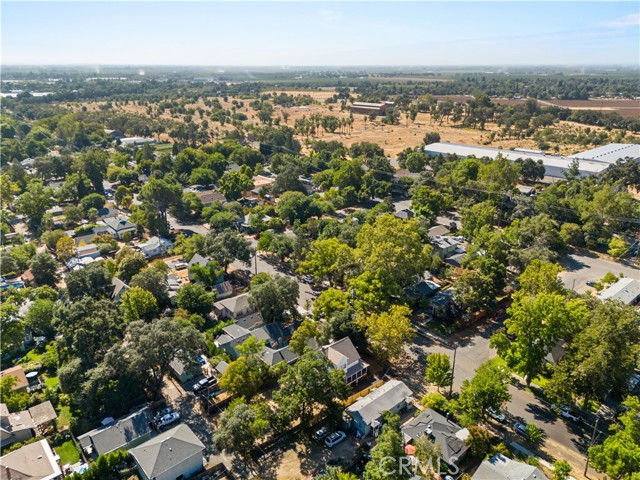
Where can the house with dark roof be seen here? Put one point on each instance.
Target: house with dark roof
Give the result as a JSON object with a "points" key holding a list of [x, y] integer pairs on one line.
{"points": [[366, 414], [125, 433], [404, 214], [176, 453], [439, 429], [119, 225], [35, 461], [344, 356], [119, 289]]}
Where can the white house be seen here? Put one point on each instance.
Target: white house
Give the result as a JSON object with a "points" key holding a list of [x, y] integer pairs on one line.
{"points": [[90, 250], [176, 453], [118, 226], [344, 356], [625, 290], [155, 247]]}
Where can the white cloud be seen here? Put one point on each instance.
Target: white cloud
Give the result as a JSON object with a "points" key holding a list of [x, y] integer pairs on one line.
{"points": [[631, 20]]}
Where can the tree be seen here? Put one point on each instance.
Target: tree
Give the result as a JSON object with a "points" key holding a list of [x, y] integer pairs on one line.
{"points": [[310, 386], [239, 427], [93, 200], [387, 453], [294, 206], [537, 324], [129, 263], [388, 331], [439, 370], [232, 184], [617, 247], [478, 441], [12, 328], [541, 277], [276, 297], [534, 433], [392, 245], [40, 316], [427, 202], [243, 376], [34, 203], [619, 455], [194, 298], [151, 347], [65, 248], [300, 339], [153, 281], [328, 302], [138, 304], [372, 292], [327, 258], [228, 246], [15, 401], [475, 217], [473, 291], [416, 161], [487, 389], [44, 269], [561, 470], [92, 164], [288, 181], [208, 274], [162, 194], [531, 170]]}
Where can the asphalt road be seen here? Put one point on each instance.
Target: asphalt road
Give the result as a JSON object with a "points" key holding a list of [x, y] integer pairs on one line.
{"points": [[273, 267], [581, 268]]}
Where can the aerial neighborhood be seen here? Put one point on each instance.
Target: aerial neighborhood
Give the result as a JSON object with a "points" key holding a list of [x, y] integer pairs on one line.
{"points": [[319, 274]]}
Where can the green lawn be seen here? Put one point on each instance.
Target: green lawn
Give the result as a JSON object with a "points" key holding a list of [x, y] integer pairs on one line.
{"points": [[164, 147], [51, 382], [64, 417], [68, 453], [31, 360]]}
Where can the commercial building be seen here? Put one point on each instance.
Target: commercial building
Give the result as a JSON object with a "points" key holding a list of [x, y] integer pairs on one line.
{"points": [[367, 108], [590, 162]]}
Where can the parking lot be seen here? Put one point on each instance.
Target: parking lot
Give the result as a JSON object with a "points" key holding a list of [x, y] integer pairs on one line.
{"points": [[580, 268]]}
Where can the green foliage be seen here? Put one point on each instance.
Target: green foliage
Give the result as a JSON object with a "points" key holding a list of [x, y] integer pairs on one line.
{"points": [[328, 302], [439, 370], [619, 454], [232, 184], [239, 428], [305, 332], [478, 441], [328, 259], [188, 246], [561, 470], [228, 246], [93, 280], [276, 299], [194, 298], [534, 433], [387, 452], [475, 217], [104, 468], [427, 202], [436, 401], [487, 389], [209, 274], [44, 269], [388, 331], [40, 316], [138, 304], [617, 247], [129, 264], [15, 401]]}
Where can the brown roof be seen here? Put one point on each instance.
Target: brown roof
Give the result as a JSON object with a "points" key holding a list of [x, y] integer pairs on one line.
{"points": [[43, 413], [17, 372], [261, 181], [207, 197], [27, 276]]}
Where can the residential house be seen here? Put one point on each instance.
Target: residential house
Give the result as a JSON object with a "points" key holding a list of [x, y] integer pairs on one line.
{"points": [[344, 356], [120, 225], [404, 214], [223, 290], [21, 426], [125, 433], [439, 429], [500, 467], [456, 259], [27, 277], [208, 197], [625, 290], [366, 414], [199, 260], [233, 336], [421, 289], [18, 372], [35, 461], [442, 304], [234, 307], [184, 372], [438, 231], [119, 289], [91, 251], [445, 246], [174, 454], [155, 247]]}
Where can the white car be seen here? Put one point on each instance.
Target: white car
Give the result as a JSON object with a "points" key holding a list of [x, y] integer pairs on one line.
{"points": [[566, 412], [181, 265], [334, 439], [167, 419]]}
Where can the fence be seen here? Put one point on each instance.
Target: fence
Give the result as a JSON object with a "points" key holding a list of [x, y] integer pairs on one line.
{"points": [[362, 393]]}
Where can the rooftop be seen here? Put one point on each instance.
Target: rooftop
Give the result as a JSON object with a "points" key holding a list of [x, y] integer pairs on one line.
{"points": [[626, 290], [500, 467], [380, 400], [33, 461]]}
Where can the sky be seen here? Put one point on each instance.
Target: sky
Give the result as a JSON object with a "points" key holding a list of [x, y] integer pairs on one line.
{"points": [[320, 33]]}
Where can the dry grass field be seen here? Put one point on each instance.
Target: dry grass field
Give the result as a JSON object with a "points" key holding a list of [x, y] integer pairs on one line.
{"points": [[393, 138]]}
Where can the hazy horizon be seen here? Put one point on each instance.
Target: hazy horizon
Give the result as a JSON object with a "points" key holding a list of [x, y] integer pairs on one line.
{"points": [[323, 34]]}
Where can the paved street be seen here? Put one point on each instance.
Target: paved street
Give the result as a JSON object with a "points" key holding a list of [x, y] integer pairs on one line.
{"points": [[273, 267], [581, 268], [563, 438]]}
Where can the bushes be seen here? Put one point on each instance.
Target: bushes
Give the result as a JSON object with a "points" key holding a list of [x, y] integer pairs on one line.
{"points": [[436, 401]]}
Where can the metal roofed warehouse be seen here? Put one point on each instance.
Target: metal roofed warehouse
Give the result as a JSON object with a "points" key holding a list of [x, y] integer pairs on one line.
{"points": [[596, 160]]}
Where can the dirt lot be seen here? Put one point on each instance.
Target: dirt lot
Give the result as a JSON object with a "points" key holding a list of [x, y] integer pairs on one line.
{"points": [[393, 138]]}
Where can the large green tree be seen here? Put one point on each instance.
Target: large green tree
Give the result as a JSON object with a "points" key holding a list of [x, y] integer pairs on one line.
{"points": [[138, 304], [34, 203], [439, 370], [327, 259], [240, 426], [389, 331], [487, 389], [386, 455], [275, 298], [44, 269], [228, 246]]}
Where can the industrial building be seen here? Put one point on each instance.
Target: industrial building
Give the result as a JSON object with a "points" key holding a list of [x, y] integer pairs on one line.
{"points": [[590, 162], [366, 108]]}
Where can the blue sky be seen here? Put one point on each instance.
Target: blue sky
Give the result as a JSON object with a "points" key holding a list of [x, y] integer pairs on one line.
{"points": [[321, 33]]}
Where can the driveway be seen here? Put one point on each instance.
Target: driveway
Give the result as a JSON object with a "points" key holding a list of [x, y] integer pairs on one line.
{"points": [[579, 268]]}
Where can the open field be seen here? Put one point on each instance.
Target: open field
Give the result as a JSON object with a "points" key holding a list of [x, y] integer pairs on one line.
{"points": [[393, 138], [625, 108]]}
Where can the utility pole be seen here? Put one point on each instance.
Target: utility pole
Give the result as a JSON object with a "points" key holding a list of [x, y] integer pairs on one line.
{"points": [[453, 369], [593, 436]]}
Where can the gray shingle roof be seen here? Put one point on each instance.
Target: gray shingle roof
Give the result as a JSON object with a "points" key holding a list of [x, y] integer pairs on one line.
{"points": [[500, 467], [445, 433], [167, 450], [380, 400]]}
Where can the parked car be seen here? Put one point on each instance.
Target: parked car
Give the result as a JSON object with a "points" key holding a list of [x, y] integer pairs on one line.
{"points": [[167, 419], [591, 283], [520, 428], [181, 265], [204, 384], [567, 412], [320, 434], [162, 413], [334, 439], [308, 280], [496, 415], [201, 360]]}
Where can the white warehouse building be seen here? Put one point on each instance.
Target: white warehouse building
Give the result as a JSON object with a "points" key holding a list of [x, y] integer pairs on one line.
{"points": [[591, 162]]}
